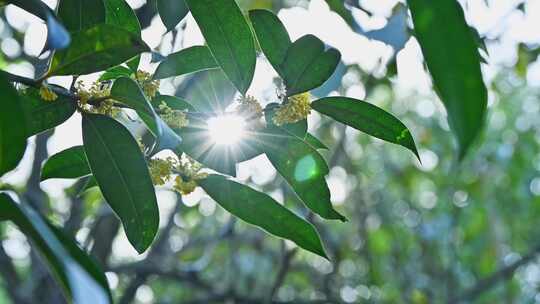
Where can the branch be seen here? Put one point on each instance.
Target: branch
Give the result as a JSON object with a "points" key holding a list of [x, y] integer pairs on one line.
{"points": [[286, 260], [58, 90], [10, 277], [502, 274], [144, 269]]}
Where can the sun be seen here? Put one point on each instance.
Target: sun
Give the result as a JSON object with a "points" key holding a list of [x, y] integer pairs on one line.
{"points": [[227, 129]]}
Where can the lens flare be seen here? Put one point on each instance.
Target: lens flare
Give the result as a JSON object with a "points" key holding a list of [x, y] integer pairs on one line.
{"points": [[227, 129]]}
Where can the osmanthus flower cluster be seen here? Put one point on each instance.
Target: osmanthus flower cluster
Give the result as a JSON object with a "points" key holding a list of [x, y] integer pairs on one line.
{"points": [[184, 170], [296, 108], [109, 41]]}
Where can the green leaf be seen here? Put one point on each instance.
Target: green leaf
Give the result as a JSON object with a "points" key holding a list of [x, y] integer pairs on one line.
{"points": [[70, 163], [261, 210], [315, 142], [127, 91], [77, 15], [173, 102], [115, 72], [298, 129], [229, 38], [209, 91], [172, 12], [96, 49], [189, 60], [86, 261], [41, 115], [198, 143], [118, 13], [133, 63], [82, 281], [303, 168], [367, 118], [308, 65], [272, 36], [450, 51], [12, 130], [122, 175]]}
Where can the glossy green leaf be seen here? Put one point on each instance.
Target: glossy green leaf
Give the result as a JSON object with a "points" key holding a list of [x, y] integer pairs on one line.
{"points": [[209, 91], [189, 60], [82, 281], [86, 261], [96, 49], [122, 175], [261, 210], [70, 163], [367, 118], [303, 168], [315, 142], [308, 65], [450, 51], [133, 63], [172, 12], [173, 102], [118, 13], [198, 143], [229, 38], [12, 128], [298, 129], [41, 115], [127, 91], [272, 36], [115, 72], [77, 15]]}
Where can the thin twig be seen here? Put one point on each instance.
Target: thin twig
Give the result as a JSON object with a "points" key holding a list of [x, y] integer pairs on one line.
{"points": [[502, 274], [286, 260]]}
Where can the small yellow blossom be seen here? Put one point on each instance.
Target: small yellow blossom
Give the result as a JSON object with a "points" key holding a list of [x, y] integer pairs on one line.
{"points": [[149, 86], [184, 187], [297, 108], [97, 90], [176, 119], [249, 107], [186, 169], [161, 170], [189, 174], [47, 94]]}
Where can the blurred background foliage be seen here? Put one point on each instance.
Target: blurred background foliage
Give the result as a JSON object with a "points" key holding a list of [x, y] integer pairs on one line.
{"points": [[436, 232]]}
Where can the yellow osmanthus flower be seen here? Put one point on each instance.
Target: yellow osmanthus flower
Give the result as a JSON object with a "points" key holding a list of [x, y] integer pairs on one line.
{"points": [[97, 90], [297, 108], [161, 170], [249, 107], [47, 94], [149, 86], [184, 187], [176, 119], [189, 174], [186, 169]]}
